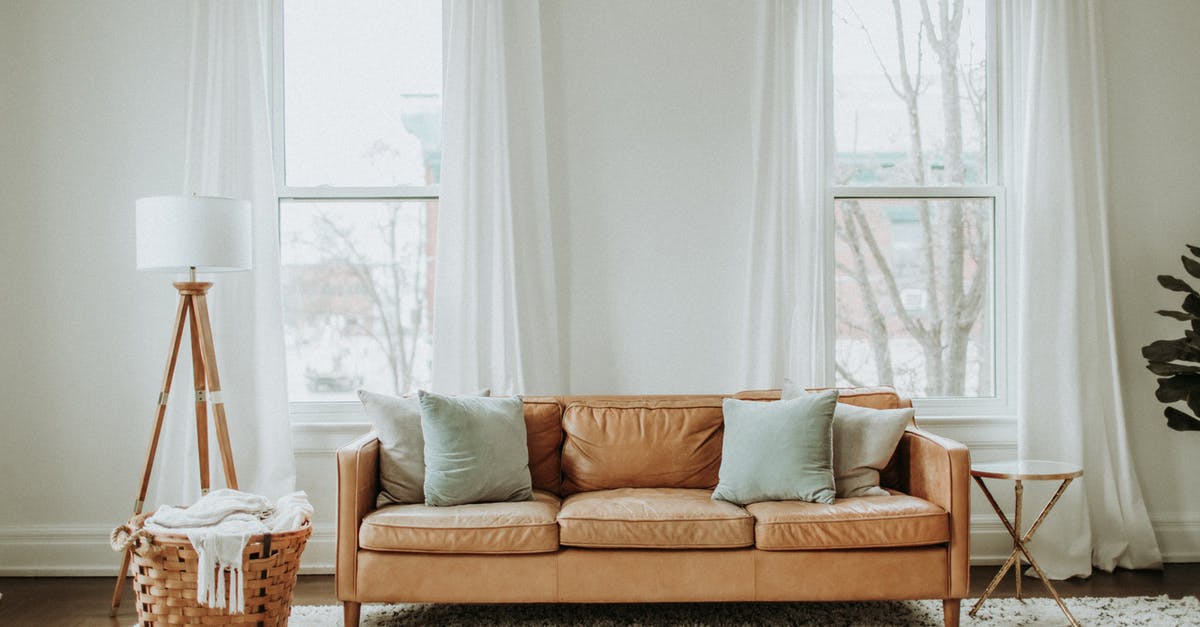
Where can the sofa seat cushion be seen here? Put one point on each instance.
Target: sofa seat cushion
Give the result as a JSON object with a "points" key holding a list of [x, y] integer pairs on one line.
{"points": [[659, 518], [896, 520], [513, 527]]}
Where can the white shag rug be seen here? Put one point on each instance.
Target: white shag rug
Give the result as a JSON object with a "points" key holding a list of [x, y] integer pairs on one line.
{"points": [[1087, 610]]}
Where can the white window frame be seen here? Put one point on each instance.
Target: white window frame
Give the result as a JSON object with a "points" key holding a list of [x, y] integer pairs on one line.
{"points": [[321, 411], [1002, 403]]}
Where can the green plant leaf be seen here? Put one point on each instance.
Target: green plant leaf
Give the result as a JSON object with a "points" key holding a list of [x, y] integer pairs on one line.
{"points": [[1181, 349], [1176, 387], [1180, 421], [1191, 304], [1177, 361], [1164, 369], [1174, 284], [1178, 315], [1192, 266]]}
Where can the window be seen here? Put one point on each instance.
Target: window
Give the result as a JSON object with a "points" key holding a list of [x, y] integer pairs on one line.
{"points": [[917, 211], [358, 107]]}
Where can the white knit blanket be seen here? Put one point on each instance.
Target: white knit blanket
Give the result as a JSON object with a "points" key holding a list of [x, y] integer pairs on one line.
{"points": [[219, 525]]}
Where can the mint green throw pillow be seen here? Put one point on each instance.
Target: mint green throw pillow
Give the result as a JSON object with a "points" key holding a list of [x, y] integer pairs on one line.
{"points": [[475, 450], [864, 441], [780, 451]]}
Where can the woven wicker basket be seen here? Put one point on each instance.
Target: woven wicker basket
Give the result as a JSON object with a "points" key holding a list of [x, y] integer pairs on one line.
{"points": [[165, 580]]}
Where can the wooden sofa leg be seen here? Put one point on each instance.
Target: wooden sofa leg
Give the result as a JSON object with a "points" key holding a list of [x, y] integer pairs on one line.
{"points": [[351, 611], [950, 612]]}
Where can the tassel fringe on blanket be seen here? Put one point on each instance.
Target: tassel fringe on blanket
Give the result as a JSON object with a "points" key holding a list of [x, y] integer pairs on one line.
{"points": [[219, 526]]}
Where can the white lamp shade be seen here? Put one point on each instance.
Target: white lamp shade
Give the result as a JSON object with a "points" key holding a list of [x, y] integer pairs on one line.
{"points": [[175, 233]]}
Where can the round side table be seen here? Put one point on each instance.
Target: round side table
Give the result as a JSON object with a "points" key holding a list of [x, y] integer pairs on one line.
{"points": [[1020, 470]]}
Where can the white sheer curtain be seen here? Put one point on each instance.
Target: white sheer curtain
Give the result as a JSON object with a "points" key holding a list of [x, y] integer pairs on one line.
{"points": [[229, 154], [785, 307], [495, 313], [1070, 405]]}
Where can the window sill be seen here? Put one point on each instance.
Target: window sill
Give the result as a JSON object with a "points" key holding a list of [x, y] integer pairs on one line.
{"points": [[320, 439]]}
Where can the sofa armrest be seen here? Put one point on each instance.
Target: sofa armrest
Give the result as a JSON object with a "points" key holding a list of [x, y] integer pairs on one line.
{"points": [[939, 471], [357, 487]]}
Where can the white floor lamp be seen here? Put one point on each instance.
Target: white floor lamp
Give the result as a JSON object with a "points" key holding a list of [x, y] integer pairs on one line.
{"points": [[191, 234]]}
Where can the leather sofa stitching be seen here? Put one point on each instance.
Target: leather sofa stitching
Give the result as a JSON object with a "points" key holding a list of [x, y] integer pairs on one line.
{"points": [[656, 520], [841, 520], [669, 404], [630, 545], [852, 546], [463, 552], [458, 529]]}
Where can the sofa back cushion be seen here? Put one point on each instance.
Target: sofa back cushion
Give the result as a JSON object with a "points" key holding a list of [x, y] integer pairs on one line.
{"points": [[872, 397], [640, 442], [543, 432]]}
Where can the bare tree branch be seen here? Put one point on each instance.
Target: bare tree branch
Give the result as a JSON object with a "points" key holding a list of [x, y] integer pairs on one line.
{"points": [[368, 283], [909, 90], [934, 41], [877, 323], [912, 326], [879, 59], [851, 379]]}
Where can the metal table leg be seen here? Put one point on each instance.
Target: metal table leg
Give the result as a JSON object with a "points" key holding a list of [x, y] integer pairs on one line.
{"points": [[1019, 546]]}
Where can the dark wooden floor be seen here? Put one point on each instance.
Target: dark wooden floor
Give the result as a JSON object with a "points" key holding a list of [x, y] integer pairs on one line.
{"points": [[84, 600]]}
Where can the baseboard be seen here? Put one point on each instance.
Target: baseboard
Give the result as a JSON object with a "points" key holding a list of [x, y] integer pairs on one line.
{"points": [[56, 550], [990, 542], [1178, 536], [320, 554], [83, 551]]}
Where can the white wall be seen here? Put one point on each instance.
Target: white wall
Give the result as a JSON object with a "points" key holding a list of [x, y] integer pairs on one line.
{"points": [[1154, 150], [649, 113], [92, 118], [655, 115]]}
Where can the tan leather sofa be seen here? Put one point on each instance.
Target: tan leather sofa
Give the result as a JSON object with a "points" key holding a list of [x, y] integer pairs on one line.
{"points": [[622, 513]]}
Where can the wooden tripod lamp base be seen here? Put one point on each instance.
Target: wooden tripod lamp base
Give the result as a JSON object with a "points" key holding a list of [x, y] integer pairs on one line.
{"points": [[190, 233], [192, 312]]}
